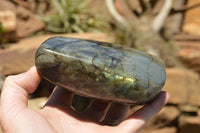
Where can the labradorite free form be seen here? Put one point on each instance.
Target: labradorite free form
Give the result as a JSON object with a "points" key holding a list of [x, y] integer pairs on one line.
{"points": [[101, 70]]}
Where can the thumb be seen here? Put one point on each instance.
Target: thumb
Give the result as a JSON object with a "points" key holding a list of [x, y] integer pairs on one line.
{"points": [[16, 88]]}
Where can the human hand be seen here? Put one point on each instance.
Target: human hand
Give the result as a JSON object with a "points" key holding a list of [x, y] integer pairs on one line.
{"points": [[57, 115]]}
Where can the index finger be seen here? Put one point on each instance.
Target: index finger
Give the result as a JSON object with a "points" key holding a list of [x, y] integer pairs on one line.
{"points": [[139, 119]]}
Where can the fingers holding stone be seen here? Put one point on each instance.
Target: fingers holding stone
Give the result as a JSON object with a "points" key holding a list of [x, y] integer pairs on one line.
{"points": [[139, 119], [61, 98], [96, 111], [105, 112], [100, 111], [116, 114], [108, 113], [149, 110]]}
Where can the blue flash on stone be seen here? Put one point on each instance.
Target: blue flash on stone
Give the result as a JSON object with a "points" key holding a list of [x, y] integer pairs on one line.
{"points": [[101, 70]]}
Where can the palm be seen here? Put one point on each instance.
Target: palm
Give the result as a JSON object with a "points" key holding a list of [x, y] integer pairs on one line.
{"points": [[51, 119], [64, 122]]}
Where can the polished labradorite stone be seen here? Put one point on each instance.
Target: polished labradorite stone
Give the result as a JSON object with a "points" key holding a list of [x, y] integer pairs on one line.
{"points": [[101, 70]]}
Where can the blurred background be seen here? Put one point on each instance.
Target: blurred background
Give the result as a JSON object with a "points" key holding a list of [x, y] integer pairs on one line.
{"points": [[169, 29]]}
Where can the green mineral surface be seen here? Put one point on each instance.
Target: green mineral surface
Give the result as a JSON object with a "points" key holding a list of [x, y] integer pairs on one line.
{"points": [[101, 70]]}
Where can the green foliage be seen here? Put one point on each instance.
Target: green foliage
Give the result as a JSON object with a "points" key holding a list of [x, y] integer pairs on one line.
{"points": [[2, 31], [71, 16]]}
